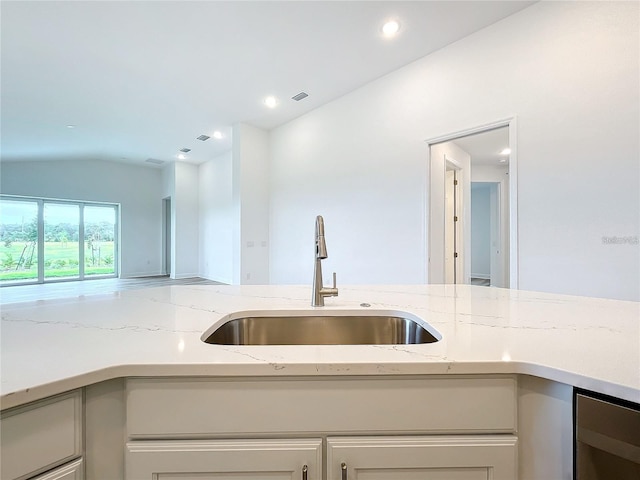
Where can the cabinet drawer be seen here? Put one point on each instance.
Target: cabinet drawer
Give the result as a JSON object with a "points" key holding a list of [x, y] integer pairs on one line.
{"points": [[41, 435], [210, 407]]}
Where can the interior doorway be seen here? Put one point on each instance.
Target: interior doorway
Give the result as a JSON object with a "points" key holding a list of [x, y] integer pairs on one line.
{"points": [[488, 255], [472, 237]]}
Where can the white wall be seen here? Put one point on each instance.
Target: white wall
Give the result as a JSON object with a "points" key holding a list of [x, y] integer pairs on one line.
{"points": [[216, 217], [180, 182], [250, 164], [169, 192], [137, 190], [568, 70]]}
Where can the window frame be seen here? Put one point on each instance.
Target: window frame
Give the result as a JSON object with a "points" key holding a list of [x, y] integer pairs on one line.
{"points": [[41, 201]]}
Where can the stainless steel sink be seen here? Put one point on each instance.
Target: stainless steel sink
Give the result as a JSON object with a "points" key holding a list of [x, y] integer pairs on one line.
{"points": [[320, 328]]}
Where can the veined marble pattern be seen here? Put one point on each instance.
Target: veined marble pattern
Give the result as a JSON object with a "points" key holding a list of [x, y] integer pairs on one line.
{"points": [[50, 346], [65, 289]]}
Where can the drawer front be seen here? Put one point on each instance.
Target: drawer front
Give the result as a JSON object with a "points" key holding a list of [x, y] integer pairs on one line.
{"points": [[192, 407], [41, 435]]}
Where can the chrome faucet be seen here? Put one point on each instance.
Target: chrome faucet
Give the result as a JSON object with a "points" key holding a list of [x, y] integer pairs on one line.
{"points": [[319, 291]]}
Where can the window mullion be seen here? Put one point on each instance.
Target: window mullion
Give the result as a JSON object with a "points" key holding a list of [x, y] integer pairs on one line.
{"points": [[81, 243], [40, 241]]}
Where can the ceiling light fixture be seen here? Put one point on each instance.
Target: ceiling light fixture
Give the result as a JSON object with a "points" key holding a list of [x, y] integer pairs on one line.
{"points": [[182, 156], [71, 126], [217, 135], [271, 101], [506, 151], [390, 28]]}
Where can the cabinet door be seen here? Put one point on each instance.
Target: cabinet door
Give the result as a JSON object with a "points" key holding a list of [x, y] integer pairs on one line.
{"points": [[70, 471], [41, 435], [212, 459], [490, 457]]}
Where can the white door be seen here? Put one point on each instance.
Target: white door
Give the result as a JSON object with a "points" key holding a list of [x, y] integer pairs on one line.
{"points": [[221, 459], [463, 457], [497, 251], [445, 203]]}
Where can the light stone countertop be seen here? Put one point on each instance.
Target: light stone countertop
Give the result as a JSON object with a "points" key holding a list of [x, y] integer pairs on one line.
{"points": [[51, 346]]}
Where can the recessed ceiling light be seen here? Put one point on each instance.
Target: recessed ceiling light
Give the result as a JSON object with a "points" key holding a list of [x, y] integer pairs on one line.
{"points": [[71, 126], [217, 135], [182, 156], [271, 101], [506, 151], [390, 28]]}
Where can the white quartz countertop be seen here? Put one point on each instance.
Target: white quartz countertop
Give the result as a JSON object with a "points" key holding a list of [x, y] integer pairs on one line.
{"points": [[51, 346]]}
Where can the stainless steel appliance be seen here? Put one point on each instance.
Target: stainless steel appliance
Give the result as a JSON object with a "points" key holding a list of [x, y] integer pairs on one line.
{"points": [[606, 438]]}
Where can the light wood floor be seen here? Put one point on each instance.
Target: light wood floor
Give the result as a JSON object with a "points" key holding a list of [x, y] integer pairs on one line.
{"points": [[47, 291]]}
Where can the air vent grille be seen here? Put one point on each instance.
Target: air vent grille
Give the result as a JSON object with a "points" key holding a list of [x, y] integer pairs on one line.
{"points": [[203, 138], [154, 161], [299, 96], [185, 150]]}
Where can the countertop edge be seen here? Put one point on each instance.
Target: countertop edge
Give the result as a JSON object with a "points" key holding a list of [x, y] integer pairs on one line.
{"points": [[341, 369]]}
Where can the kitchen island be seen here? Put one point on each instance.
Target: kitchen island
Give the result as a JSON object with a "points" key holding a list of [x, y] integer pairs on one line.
{"points": [[544, 344]]}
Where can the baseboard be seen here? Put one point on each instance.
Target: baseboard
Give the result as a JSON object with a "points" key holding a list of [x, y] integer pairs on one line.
{"points": [[181, 276], [483, 276], [226, 281], [142, 275]]}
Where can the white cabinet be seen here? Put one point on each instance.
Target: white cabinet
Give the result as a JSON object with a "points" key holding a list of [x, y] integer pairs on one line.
{"points": [[41, 436], [71, 471], [491, 457], [409, 428], [209, 459]]}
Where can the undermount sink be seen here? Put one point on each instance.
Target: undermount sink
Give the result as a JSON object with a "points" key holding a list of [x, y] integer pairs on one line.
{"points": [[332, 327]]}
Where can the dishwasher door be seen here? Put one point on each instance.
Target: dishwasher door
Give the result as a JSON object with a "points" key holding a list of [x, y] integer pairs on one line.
{"points": [[607, 438]]}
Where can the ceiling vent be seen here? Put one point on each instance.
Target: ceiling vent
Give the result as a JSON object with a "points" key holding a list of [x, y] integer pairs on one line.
{"points": [[203, 138], [299, 96], [154, 161], [185, 150]]}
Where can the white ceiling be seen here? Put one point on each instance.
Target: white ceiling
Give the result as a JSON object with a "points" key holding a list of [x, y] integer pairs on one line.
{"points": [[143, 79], [485, 147]]}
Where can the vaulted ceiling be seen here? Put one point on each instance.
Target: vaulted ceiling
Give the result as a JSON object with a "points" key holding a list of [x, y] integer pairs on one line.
{"points": [[137, 80]]}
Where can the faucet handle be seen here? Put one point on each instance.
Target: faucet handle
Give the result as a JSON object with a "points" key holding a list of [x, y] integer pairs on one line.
{"points": [[334, 279]]}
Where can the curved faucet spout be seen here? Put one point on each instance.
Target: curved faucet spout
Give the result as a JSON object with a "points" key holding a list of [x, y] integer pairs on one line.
{"points": [[321, 246], [319, 291]]}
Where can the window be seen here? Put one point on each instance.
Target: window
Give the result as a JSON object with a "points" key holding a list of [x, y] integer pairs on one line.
{"points": [[44, 240]]}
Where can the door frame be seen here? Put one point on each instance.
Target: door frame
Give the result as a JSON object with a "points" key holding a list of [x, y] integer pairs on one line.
{"points": [[511, 123], [167, 235], [460, 212]]}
